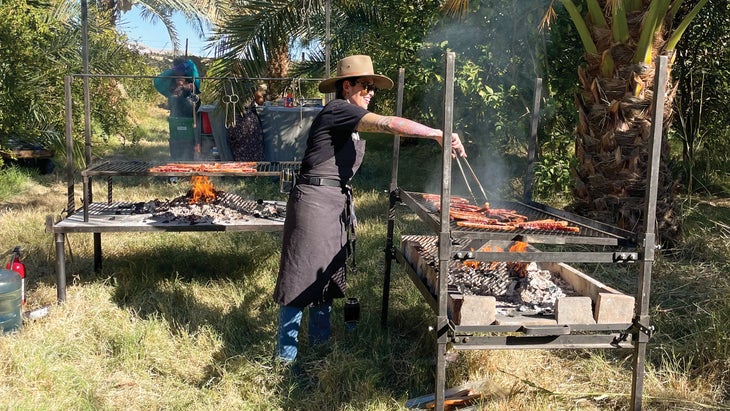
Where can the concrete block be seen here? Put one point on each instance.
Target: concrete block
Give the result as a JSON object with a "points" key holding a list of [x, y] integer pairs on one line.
{"points": [[430, 275], [614, 308], [422, 267], [574, 310], [410, 252], [472, 309]]}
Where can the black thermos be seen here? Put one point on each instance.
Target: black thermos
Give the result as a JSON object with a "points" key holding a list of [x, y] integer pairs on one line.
{"points": [[352, 313]]}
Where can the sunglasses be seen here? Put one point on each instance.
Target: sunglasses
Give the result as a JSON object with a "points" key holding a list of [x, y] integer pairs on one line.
{"points": [[367, 87]]}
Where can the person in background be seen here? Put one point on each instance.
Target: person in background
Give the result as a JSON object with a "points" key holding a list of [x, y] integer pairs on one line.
{"points": [[246, 135], [181, 85], [320, 218]]}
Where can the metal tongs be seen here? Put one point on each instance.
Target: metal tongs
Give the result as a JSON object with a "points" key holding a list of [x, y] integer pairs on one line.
{"points": [[474, 176]]}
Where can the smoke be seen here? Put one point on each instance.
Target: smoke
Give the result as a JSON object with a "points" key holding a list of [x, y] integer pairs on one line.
{"points": [[498, 58]]}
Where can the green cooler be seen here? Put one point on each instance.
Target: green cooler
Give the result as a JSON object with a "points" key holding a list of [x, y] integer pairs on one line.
{"points": [[182, 138]]}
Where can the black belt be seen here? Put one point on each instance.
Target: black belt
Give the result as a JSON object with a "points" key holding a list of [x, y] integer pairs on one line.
{"points": [[320, 181]]}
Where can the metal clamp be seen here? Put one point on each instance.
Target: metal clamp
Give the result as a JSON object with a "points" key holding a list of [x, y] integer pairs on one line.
{"points": [[464, 255], [647, 330], [625, 257], [287, 180]]}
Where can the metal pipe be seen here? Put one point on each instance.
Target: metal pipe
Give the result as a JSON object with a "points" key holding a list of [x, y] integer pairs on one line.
{"points": [[642, 318], [60, 267], [442, 322]]}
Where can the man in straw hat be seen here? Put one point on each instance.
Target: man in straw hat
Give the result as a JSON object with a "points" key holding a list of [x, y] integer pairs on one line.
{"points": [[320, 219]]}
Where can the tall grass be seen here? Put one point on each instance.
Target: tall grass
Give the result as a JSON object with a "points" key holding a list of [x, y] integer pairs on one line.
{"points": [[14, 180], [187, 321]]}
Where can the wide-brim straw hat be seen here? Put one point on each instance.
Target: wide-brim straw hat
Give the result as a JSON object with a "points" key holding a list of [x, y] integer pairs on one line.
{"points": [[353, 67]]}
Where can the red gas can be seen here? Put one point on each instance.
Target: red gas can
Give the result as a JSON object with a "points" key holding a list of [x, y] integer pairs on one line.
{"points": [[206, 126], [16, 265]]}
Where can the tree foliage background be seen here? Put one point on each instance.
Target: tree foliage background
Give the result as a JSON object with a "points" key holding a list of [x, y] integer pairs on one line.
{"points": [[40, 46], [500, 53], [701, 131]]}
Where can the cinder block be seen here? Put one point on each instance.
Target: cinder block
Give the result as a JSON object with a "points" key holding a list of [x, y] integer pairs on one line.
{"points": [[472, 309], [410, 252], [431, 275], [574, 310], [614, 308], [422, 267]]}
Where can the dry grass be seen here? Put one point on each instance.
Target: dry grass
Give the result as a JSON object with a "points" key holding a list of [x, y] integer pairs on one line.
{"points": [[186, 320]]}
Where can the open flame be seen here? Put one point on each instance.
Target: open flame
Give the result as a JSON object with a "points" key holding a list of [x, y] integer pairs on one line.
{"points": [[202, 190], [516, 247]]}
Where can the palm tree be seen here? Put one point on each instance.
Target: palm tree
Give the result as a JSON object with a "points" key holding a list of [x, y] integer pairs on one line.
{"points": [[621, 40], [253, 39], [198, 14]]}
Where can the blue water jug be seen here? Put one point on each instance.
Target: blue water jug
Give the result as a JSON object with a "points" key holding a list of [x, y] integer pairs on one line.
{"points": [[10, 298]]}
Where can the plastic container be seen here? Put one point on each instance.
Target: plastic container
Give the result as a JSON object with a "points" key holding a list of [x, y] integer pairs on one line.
{"points": [[11, 318], [181, 128], [182, 150], [182, 138]]}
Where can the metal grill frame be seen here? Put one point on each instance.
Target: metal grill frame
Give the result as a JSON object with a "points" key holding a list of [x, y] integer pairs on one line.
{"points": [[100, 217], [115, 168], [609, 336]]}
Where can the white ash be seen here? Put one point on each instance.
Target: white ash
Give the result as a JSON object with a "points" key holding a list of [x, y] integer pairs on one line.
{"points": [[488, 279], [198, 213], [538, 291], [268, 210], [535, 293]]}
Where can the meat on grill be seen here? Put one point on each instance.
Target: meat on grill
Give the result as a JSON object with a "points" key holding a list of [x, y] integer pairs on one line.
{"points": [[483, 217], [548, 224], [487, 226], [471, 216], [436, 199], [227, 167]]}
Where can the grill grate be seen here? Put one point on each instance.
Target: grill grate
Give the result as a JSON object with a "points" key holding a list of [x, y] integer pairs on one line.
{"points": [[247, 208], [589, 232], [141, 168]]}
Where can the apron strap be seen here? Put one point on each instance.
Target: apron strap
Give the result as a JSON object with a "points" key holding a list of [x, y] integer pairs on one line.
{"points": [[351, 222]]}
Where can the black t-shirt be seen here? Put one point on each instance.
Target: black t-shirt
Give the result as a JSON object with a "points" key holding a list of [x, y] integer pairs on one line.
{"points": [[330, 131]]}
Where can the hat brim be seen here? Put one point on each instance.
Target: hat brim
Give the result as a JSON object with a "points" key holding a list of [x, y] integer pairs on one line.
{"points": [[380, 81]]}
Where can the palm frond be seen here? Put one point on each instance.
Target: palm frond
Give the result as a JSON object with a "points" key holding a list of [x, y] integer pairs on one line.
{"points": [[455, 8], [652, 23], [581, 26], [619, 25], [251, 34], [679, 31], [596, 14]]}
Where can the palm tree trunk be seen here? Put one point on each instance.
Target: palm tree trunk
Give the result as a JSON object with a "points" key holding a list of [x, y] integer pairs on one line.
{"points": [[612, 145], [278, 67]]}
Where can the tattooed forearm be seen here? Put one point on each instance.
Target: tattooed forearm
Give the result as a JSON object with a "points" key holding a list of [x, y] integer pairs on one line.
{"points": [[398, 125]]}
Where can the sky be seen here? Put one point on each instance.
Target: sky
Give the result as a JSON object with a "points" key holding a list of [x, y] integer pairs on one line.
{"points": [[155, 35]]}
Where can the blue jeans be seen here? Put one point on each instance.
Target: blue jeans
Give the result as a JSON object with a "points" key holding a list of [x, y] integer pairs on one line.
{"points": [[290, 318]]}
